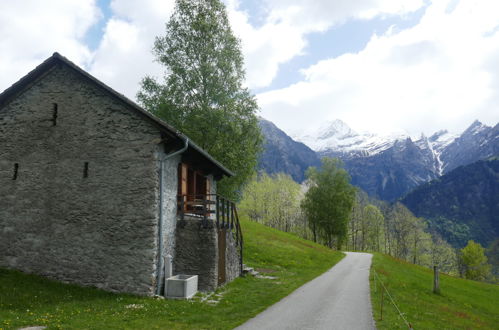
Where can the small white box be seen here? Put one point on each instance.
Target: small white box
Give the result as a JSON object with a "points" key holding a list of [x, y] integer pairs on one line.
{"points": [[181, 286]]}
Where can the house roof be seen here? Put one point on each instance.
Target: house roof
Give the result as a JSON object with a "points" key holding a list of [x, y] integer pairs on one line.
{"points": [[56, 58]]}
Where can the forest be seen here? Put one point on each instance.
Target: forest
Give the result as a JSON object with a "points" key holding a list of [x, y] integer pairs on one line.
{"points": [[369, 225]]}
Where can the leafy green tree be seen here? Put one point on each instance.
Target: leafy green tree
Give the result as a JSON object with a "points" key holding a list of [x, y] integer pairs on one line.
{"points": [[474, 262], [274, 201], [328, 202], [202, 93], [374, 224], [419, 240], [367, 224], [405, 234], [354, 227], [492, 254], [442, 255], [399, 226]]}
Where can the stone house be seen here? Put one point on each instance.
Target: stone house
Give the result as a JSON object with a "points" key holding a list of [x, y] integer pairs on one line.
{"points": [[94, 190]]}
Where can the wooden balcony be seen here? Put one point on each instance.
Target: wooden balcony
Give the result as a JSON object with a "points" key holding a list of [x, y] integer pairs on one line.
{"points": [[214, 207]]}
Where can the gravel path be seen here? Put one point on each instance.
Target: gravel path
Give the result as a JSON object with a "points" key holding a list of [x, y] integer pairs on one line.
{"points": [[338, 299]]}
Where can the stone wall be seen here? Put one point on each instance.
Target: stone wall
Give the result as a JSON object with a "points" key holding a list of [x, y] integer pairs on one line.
{"points": [[169, 214], [232, 257], [83, 207], [196, 252]]}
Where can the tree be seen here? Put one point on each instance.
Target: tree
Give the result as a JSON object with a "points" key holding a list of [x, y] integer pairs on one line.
{"points": [[274, 201], [443, 255], [355, 224], [399, 225], [356, 218], [374, 223], [328, 202], [202, 93], [474, 262], [492, 254]]}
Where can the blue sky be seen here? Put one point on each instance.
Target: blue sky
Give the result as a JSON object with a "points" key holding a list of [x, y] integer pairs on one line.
{"points": [[94, 35], [379, 65], [351, 37]]}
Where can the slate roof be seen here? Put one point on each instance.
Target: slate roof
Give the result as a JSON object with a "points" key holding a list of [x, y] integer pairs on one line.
{"points": [[11, 92]]}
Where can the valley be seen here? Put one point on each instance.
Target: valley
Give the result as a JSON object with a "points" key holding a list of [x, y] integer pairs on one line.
{"points": [[426, 174]]}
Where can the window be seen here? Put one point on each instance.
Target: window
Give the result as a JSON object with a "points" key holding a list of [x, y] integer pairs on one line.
{"points": [[192, 184], [85, 170]]}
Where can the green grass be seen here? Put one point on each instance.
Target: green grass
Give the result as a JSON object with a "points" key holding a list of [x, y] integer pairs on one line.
{"points": [[28, 300], [461, 304]]}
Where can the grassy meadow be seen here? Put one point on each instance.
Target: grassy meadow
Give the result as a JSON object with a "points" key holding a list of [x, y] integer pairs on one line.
{"points": [[461, 304], [28, 300]]}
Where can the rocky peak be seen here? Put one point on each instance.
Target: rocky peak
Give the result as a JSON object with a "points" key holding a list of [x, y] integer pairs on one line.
{"points": [[437, 135], [475, 128], [336, 128]]}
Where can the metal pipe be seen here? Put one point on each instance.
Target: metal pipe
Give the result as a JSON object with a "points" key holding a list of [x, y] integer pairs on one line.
{"points": [[160, 265]]}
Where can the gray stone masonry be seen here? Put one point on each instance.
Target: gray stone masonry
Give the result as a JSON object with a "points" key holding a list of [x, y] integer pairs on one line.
{"points": [[170, 204], [196, 252], [99, 230], [232, 257]]}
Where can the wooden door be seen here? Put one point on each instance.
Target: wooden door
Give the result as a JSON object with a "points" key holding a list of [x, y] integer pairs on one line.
{"points": [[221, 255]]}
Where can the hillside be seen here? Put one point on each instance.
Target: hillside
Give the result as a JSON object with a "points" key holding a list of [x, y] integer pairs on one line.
{"points": [[283, 154], [462, 204], [28, 300], [391, 173], [461, 304]]}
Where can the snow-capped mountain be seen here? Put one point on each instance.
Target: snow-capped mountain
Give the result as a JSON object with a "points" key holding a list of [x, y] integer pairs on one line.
{"points": [[390, 166], [441, 139], [478, 141], [338, 137], [433, 147]]}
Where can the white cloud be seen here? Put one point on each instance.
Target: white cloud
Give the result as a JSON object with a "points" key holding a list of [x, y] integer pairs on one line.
{"points": [[31, 30], [283, 35], [124, 55], [440, 73]]}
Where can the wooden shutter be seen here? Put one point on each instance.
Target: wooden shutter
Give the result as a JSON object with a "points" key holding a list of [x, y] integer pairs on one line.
{"points": [[208, 187], [183, 179]]}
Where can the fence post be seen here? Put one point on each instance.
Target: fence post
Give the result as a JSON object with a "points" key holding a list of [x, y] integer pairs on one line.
{"points": [[436, 282], [382, 291]]}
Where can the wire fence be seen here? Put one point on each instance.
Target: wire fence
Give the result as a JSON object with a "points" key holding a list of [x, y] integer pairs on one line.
{"points": [[383, 289]]}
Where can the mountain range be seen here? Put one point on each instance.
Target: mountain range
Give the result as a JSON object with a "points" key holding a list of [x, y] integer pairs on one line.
{"points": [[462, 204], [386, 167], [282, 154]]}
